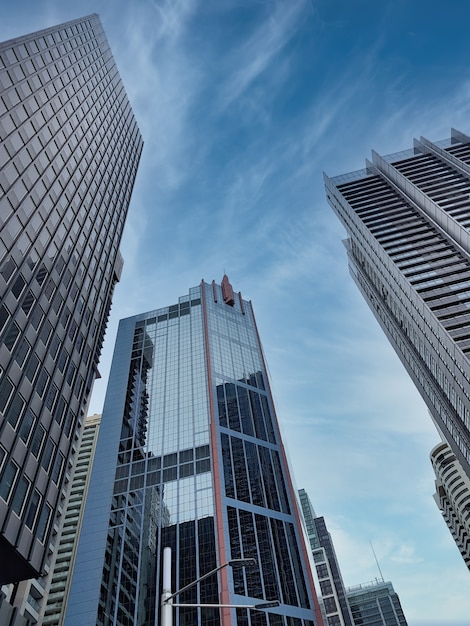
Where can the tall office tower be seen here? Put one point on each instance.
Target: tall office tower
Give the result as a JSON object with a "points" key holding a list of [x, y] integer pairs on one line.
{"points": [[407, 217], [333, 595], [57, 590], [69, 153], [453, 496], [189, 456], [43, 600], [375, 604]]}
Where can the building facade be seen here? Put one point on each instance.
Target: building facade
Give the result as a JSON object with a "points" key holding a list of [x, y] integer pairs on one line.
{"points": [[190, 457], [69, 153], [453, 496], [58, 583], [333, 594], [43, 600], [375, 604], [407, 216]]}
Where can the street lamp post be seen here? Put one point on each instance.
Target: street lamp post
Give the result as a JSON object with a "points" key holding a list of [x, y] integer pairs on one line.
{"points": [[167, 604]]}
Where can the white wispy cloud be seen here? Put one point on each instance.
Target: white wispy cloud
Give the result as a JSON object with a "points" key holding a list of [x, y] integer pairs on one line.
{"points": [[245, 65]]}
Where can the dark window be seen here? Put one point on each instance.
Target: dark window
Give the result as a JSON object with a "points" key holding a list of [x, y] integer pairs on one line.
{"points": [[43, 522], [60, 410], [330, 605], [42, 381], [202, 452], [64, 320], [69, 422], [4, 315], [28, 302], [27, 426], [22, 352], [46, 331], [186, 455], [58, 468], [49, 289], [47, 455], [7, 269], [41, 275], [15, 410], [21, 493], [60, 265], [51, 397], [31, 367], [18, 286], [63, 359], [7, 480], [54, 347], [6, 388], [32, 510], [203, 466], [71, 371], [11, 336], [38, 440], [36, 317]]}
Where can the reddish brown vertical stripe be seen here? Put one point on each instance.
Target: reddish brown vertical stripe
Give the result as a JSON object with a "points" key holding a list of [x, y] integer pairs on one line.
{"points": [[318, 615], [216, 475]]}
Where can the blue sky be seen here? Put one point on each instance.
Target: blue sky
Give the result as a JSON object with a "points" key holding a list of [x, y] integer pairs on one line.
{"points": [[242, 105]]}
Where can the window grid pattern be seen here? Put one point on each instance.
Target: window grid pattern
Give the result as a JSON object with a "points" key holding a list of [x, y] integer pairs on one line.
{"points": [[163, 493], [410, 257], [69, 153], [257, 502]]}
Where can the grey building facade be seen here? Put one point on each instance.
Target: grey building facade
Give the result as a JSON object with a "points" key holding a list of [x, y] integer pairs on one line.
{"points": [[453, 496], [69, 153], [375, 604], [190, 457], [407, 216], [332, 590]]}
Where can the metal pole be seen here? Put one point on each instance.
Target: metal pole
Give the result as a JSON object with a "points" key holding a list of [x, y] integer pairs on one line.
{"points": [[167, 601]]}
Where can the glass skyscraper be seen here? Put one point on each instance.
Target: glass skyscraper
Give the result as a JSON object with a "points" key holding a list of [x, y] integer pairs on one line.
{"points": [[407, 216], [69, 153], [189, 456]]}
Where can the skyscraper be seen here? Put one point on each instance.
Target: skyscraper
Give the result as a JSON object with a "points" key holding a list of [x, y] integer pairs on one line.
{"points": [[58, 583], [333, 594], [407, 217], [69, 153], [190, 457], [453, 496], [375, 604]]}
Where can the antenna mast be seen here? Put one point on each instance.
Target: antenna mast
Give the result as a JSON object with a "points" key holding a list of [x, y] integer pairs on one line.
{"points": [[376, 560]]}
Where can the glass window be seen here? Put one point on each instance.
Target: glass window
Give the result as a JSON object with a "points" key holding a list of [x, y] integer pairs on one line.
{"points": [[28, 302], [4, 315], [31, 367], [22, 351], [47, 455], [11, 335], [15, 410], [21, 493], [33, 510], [6, 388], [27, 426], [8, 479], [18, 286], [38, 440]]}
